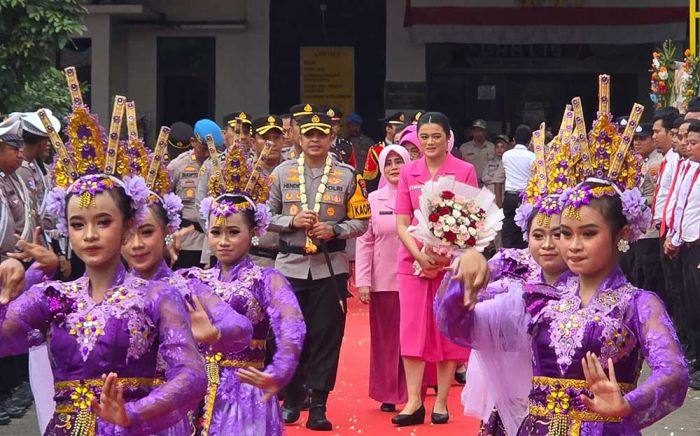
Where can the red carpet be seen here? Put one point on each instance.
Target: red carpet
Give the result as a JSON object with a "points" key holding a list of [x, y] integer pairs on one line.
{"points": [[351, 410]]}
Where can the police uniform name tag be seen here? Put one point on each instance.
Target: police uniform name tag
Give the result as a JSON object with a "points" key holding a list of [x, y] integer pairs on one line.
{"points": [[358, 206]]}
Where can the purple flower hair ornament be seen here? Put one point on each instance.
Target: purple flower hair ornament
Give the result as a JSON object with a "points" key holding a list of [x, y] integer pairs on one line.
{"points": [[636, 212], [87, 187], [136, 189], [223, 207], [205, 209], [56, 206], [263, 216], [522, 216], [173, 206]]}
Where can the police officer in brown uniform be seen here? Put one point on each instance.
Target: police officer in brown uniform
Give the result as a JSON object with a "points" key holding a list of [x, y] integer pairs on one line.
{"points": [[14, 386], [184, 175], [268, 128], [12, 187], [317, 204], [32, 173]]}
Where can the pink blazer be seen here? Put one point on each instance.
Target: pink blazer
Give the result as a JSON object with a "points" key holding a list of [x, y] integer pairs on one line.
{"points": [[413, 175], [375, 252]]}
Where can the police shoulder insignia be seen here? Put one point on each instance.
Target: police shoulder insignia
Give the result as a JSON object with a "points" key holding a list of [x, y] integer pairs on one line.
{"points": [[358, 205]]}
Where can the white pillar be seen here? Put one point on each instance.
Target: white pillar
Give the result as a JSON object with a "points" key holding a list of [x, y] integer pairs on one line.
{"points": [[405, 60], [99, 30]]}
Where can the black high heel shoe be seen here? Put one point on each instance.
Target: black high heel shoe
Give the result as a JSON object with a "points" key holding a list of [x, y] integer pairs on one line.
{"points": [[440, 418], [415, 418]]}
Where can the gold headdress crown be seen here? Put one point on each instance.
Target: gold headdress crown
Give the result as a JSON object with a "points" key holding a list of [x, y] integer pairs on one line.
{"points": [[605, 153], [552, 170], [136, 159], [233, 177], [90, 162], [88, 151], [605, 159]]}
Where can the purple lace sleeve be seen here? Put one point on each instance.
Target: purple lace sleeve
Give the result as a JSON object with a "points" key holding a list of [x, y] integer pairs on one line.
{"points": [[666, 387], [34, 276], [287, 323], [186, 378], [236, 329], [24, 321], [496, 265], [497, 324]]}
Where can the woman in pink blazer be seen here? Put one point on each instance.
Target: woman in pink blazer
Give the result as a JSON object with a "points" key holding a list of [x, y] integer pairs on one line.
{"points": [[420, 338], [375, 275]]}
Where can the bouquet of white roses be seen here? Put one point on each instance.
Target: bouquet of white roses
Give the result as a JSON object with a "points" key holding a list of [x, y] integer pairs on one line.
{"points": [[454, 217]]}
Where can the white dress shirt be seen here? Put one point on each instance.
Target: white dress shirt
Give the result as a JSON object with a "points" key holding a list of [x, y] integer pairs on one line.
{"points": [[686, 216], [518, 164], [665, 179]]}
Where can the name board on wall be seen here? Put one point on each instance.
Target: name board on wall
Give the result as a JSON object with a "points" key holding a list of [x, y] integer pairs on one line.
{"points": [[328, 76]]}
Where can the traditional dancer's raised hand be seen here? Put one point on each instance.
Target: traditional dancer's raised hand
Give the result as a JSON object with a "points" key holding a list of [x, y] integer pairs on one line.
{"points": [[259, 379], [472, 269], [202, 328], [607, 396], [11, 280], [44, 258], [110, 406], [176, 243]]}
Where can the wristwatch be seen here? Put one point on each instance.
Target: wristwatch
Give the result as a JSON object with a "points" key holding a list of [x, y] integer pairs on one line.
{"points": [[337, 229]]}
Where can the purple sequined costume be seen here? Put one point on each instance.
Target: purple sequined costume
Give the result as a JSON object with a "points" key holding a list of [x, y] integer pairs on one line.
{"points": [[235, 328], [121, 334], [510, 268], [620, 322], [267, 299]]}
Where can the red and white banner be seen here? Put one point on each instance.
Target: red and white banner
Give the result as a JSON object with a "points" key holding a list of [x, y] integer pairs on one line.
{"points": [[546, 21]]}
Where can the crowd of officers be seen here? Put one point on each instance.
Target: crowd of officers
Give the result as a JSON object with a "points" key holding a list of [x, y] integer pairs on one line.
{"points": [[320, 280], [665, 261]]}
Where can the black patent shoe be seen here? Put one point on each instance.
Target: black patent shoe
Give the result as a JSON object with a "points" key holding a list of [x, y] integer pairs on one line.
{"points": [[290, 414], [388, 407], [415, 418], [317, 419], [440, 418]]}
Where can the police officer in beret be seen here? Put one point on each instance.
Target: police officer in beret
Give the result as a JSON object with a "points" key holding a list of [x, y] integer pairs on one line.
{"points": [[317, 204], [184, 176], [202, 128]]}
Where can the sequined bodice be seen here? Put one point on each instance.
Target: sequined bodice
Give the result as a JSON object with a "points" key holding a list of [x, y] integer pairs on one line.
{"points": [[563, 331]]}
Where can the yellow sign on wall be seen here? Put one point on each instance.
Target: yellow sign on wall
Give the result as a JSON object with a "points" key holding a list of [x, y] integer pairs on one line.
{"points": [[328, 76]]}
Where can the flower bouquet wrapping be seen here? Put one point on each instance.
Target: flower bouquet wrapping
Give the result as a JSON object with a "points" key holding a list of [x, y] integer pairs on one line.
{"points": [[454, 217]]}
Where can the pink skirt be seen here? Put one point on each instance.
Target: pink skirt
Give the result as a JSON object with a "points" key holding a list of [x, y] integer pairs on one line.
{"points": [[387, 381], [420, 336]]}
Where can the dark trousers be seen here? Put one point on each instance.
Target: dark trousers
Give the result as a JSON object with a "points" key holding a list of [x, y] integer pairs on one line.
{"points": [[188, 259], [690, 296], [325, 326], [673, 279], [511, 235], [647, 272], [15, 371]]}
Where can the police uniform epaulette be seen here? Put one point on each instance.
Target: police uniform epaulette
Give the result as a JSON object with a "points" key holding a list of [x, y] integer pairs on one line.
{"points": [[287, 163], [346, 166]]}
